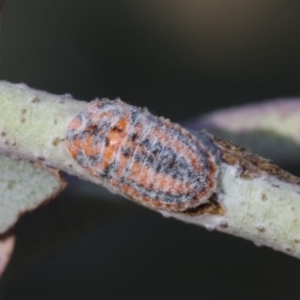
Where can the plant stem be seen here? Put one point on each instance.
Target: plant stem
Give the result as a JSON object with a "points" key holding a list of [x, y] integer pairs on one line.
{"points": [[254, 199]]}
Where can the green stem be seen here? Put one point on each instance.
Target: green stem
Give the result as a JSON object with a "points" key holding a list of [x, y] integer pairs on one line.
{"points": [[253, 200]]}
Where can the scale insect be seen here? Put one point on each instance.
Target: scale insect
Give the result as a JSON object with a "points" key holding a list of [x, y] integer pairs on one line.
{"points": [[146, 158]]}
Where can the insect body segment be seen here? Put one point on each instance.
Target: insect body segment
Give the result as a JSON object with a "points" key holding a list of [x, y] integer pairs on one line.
{"points": [[147, 158]]}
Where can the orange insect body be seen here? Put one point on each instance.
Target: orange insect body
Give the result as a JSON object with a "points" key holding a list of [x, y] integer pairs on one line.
{"points": [[147, 158]]}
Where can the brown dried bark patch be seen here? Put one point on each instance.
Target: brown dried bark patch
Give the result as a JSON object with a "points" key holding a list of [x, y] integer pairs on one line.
{"points": [[252, 166]]}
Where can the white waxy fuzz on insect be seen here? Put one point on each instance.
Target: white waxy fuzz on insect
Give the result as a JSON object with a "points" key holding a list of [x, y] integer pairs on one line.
{"points": [[147, 158]]}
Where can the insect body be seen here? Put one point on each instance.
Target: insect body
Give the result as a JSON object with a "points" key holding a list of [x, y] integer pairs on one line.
{"points": [[147, 158]]}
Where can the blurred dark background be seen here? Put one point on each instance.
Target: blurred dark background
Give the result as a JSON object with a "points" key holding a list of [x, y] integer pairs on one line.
{"points": [[180, 59]]}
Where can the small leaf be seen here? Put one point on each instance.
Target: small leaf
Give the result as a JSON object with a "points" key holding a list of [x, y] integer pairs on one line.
{"points": [[7, 244], [23, 187]]}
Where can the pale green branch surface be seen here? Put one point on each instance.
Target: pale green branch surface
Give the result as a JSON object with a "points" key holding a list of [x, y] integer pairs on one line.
{"points": [[264, 210], [253, 200]]}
